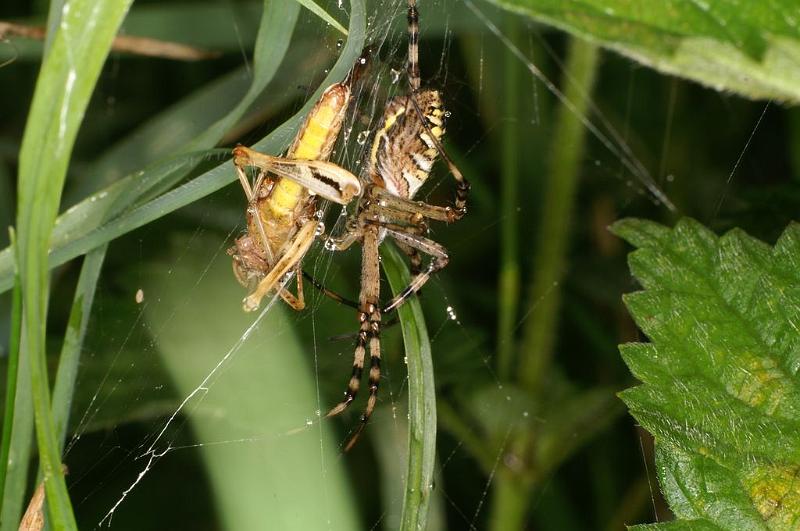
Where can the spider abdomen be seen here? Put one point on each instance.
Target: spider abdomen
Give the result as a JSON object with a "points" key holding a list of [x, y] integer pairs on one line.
{"points": [[403, 151]]}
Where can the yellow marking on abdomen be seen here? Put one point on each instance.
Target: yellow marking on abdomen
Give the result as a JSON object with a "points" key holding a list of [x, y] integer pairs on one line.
{"points": [[313, 143], [284, 197], [316, 134]]}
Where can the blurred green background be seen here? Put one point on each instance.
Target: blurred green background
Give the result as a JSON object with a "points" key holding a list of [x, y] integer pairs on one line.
{"points": [[524, 322]]}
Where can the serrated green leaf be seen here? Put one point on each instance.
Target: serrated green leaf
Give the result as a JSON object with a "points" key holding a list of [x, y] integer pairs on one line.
{"points": [[679, 525], [721, 391], [752, 48], [685, 478]]}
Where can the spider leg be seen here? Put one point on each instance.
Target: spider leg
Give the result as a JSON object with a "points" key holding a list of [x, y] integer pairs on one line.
{"points": [[329, 293], [415, 241], [342, 243], [413, 45], [414, 257], [351, 336], [369, 316], [412, 253], [391, 206], [412, 69]]}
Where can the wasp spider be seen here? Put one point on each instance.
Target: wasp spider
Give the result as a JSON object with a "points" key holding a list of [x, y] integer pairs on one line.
{"points": [[406, 144]]}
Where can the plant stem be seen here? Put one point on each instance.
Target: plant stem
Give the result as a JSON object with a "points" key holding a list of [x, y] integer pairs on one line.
{"points": [[421, 399], [512, 490], [508, 289], [549, 263], [509, 503]]}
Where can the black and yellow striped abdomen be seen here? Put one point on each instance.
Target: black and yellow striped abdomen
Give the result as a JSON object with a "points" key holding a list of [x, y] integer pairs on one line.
{"points": [[403, 151]]}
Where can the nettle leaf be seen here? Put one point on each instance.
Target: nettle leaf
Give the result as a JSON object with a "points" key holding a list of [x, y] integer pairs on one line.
{"points": [[751, 47], [721, 390]]}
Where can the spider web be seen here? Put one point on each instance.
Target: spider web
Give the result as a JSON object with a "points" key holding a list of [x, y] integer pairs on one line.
{"points": [[186, 402]]}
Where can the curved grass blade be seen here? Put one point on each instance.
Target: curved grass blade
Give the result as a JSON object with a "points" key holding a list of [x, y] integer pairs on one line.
{"points": [[64, 386], [280, 15], [212, 25], [96, 209], [260, 388], [274, 35], [76, 224], [80, 239], [63, 88], [12, 372], [17, 469], [421, 399], [321, 13]]}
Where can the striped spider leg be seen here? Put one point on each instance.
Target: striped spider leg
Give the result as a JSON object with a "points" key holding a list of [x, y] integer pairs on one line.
{"points": [[403, 151], [282, 219]]}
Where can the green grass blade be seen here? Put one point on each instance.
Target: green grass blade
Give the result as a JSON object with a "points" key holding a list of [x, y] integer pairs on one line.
{"points": [[63, 89], [98, 208], [170, 131], [64, 386], [390, 447], [120, 195], [259, 389], [21, 446], [421, 399], [80, 238], [751, 48], [6, 201], [163, 135], [274, 36], [12, 372], [321, 13], [17, 420], [216, 26], [53, 20]]}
